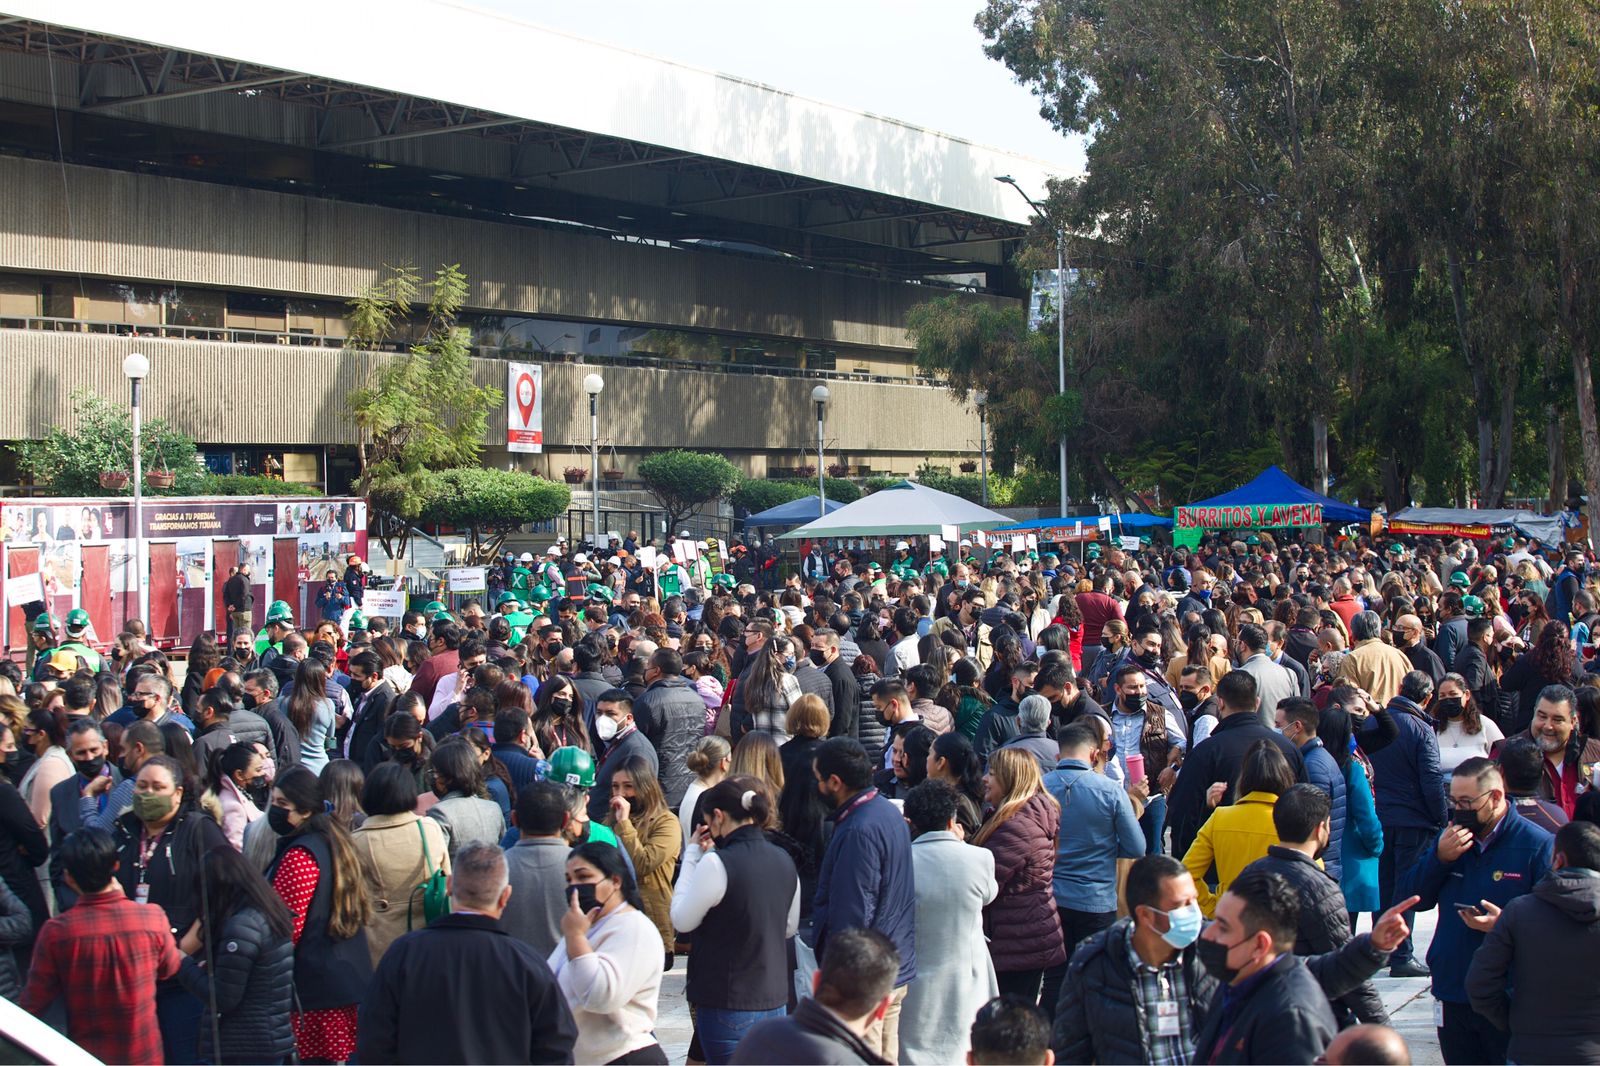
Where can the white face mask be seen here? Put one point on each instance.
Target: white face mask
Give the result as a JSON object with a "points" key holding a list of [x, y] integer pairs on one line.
{"points": [[604, 727]]}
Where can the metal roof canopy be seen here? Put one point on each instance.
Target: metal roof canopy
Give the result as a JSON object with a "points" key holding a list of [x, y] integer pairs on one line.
{"points": [[700, 154]]}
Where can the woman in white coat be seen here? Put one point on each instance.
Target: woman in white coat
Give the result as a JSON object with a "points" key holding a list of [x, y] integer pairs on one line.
{"points": [[955, 975]]}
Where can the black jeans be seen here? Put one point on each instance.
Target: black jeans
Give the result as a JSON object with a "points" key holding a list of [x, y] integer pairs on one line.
{"points": [[1467, 1036], [1024, 983], [1403, 848], [1076, 927], [645, 1056]]}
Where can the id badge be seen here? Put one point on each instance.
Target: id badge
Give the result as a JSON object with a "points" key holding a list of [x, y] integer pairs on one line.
{"points": [[1438, 1014], [1166, 1017], [141, 893]]}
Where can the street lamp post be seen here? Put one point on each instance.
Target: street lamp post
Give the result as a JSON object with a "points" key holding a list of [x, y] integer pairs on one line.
{"points": [[1061, 324], [592, 384], [819, 396], [981, 398], [136, 368]]}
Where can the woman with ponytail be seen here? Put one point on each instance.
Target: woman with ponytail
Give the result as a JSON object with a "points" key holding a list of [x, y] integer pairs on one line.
{"points": [[741, 896], [318, 873]]}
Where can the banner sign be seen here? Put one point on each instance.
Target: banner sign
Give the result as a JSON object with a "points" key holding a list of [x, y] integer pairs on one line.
{"points": [[1052, 535], [384, 603], [1440, 529], [524, 407], [1251, 516], [468, 578], [167, 518]]}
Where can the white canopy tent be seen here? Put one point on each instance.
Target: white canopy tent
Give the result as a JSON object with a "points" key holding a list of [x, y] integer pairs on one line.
{"points": [[906, 509]]}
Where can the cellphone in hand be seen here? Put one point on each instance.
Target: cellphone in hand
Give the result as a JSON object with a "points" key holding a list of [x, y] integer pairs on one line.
{"points": [[1468, 908]]}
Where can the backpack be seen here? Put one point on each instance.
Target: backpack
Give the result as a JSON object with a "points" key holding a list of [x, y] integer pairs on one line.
{"points": [[435, 893]]}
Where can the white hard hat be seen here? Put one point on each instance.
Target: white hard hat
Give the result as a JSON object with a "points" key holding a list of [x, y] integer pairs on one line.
{"points": [[966, 544], [552, 550], [580, 558], [901, 545], [527, 557], [683, 534]]}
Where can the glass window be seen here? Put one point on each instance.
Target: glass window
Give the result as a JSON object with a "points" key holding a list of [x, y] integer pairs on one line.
{"points": [[20, 296], [248, 310], [200, 308]]}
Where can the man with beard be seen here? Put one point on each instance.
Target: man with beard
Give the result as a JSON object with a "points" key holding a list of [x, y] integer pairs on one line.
{"points": [[1567, 752], [86, 747]]}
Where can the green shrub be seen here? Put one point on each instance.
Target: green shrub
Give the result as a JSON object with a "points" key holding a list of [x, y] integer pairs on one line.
{"points": [[253, 485]]}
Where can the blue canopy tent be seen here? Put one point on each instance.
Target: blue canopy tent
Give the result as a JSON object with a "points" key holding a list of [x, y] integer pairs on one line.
{"points": [[794, 513], [1272, 500]]}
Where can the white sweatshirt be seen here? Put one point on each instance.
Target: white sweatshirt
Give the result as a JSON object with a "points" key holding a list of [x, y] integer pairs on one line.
{"points": [[614, 990]]}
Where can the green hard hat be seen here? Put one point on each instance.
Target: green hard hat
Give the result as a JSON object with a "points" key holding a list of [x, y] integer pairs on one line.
{"points": [[504, 598], [1472, 605], [1460, 580], [727, 581], [358, 621], [540, 594], [44, 624], [432, 607], [600, 592], [279, 612], [572, 766], [1252, 539], [77, 618]]}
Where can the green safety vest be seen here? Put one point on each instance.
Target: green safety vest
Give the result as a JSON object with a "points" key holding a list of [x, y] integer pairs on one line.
{"points": [[667, 583], [602, 834], [264, 643], [88, 654], [521, 578], [519, 621]]}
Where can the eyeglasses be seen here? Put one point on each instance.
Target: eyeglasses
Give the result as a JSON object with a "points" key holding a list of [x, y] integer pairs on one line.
{"points": [[1462, 803]]}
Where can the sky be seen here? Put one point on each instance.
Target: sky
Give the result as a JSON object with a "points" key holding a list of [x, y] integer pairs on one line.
{"points": [[919, 61]]}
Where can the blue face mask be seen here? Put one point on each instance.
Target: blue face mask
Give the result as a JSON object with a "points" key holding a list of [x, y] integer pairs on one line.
{"points": [[1183, 926], [1203, 595]]}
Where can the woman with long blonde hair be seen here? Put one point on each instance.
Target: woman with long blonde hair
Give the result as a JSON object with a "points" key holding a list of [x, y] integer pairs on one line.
{"points": [[756, 755], [1022, 925]]}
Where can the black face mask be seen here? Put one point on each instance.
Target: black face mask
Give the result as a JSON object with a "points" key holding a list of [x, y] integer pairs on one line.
{"points": [[1150, 660], [1136, 703], [1188, 700], [90, 767], [278, 819], [819, 658], [1450, 708], [260, 793], [1468, 819], [1214, 957], [585, 894], [403, 756]]}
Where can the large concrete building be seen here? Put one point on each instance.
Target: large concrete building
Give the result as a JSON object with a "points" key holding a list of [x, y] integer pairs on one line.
{"points": [[210, 185]]}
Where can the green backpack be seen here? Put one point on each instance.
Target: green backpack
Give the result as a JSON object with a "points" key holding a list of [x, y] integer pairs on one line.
{"points": [[435, 892]]}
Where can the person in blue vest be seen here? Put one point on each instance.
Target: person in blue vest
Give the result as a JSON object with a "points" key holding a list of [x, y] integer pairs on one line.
{"points": [[1487, 856], [1297, 720]]}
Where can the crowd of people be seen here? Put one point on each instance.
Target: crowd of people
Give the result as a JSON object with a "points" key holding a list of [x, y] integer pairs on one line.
{"points": [[1130, 807]]}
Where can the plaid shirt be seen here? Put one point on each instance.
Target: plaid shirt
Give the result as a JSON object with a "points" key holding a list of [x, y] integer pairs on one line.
{"points": [[1152, 984], [105, 956]]}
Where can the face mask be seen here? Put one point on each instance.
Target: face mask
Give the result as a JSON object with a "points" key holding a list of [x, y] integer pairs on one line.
{"points": [[1149, 659], [1188, 700], [604, 727], [788, 662], [819, 658], [153, 806], [1449, 708], [259, 791], [1136, 703], [90, 767], [278, 819], [585, 894], [962, 584], [1183, 926], [561, 706], [1468, 819], [1203, 595], [403, 756], [1214, 957]]}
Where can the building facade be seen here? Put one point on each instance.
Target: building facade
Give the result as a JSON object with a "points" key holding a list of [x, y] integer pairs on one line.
{"points": [[214, 199]]}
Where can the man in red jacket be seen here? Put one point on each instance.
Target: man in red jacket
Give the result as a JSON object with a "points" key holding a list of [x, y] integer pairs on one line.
{"points": [[444, 640]]}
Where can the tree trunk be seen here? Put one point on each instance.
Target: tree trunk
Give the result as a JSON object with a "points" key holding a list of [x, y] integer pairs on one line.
{"points": [[1493, 490], [1482, 398], [1576, 307], [1396, 484], [1555, 442]]}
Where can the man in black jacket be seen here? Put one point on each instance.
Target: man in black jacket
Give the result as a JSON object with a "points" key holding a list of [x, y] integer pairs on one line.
{"points": [[501, 1004], [850, 991], [373, 696], [1301, 817], [825, 655], [1219, 757], [1472, 663], [239, 599], [1270, 1007]]}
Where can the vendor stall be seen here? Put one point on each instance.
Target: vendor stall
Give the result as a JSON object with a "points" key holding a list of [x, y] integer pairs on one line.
{"points": [[1272, 500], [906, 509]]}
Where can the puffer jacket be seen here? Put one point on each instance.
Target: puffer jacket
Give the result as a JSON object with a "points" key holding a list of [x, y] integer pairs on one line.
{"points": [[1022, 925], [870, 728], [1324, 923], [1324, 772], [16, 930], [254, 988]]}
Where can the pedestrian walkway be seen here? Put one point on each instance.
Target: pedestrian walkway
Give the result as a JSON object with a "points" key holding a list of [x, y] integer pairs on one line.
{"points": [[1407, 999]]}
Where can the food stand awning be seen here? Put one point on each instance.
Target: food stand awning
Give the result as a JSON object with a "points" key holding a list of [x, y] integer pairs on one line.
{"points": [[1273, 500], [1476, 524], [903, 510]]}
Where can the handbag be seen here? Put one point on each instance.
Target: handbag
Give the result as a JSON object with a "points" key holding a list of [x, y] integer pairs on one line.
{"points": [[435, 892]]}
